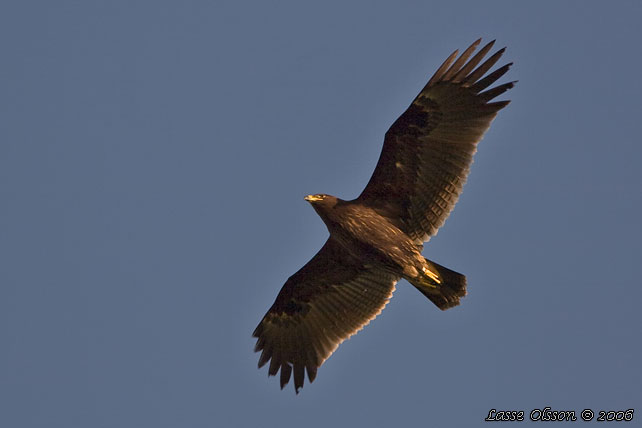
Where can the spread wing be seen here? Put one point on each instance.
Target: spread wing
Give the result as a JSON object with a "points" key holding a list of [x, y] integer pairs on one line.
{"points": [[428, 151], [328, 300]]}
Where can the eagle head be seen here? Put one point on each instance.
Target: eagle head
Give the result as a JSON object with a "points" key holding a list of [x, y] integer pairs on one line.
{"points": [[321, 200]]}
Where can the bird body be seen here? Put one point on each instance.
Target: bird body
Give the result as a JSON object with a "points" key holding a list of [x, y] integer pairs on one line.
{"points": [[365, 234], [370, 237], [377, 238]]}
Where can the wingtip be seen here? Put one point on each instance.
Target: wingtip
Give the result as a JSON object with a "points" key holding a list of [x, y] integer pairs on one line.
{"points": [[257, 331], [263, 359], [498, 105], [312, 373]]}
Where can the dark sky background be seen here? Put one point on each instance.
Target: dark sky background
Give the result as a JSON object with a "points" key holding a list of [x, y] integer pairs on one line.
{"points": [[153, 161]]}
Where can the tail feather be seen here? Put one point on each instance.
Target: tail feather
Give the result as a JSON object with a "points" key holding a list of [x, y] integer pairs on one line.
{"points": [[444, 291]]}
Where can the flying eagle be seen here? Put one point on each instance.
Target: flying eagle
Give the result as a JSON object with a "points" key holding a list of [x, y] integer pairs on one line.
{"points": [[377, 238]]}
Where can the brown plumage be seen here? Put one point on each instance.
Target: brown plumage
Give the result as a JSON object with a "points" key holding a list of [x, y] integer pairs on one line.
{"points": [[377, 238]]}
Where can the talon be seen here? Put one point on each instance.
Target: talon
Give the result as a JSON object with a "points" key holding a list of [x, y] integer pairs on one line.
{"points": [[432, 275]]}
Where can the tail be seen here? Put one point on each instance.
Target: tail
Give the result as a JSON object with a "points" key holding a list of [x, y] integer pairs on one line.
{"points": [[441, 285]]}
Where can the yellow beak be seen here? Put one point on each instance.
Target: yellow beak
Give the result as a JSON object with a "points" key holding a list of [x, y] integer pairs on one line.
{"points": [[312, 198]]}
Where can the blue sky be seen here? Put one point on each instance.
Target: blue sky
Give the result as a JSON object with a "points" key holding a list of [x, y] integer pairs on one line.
{"points": [[153, 162]]}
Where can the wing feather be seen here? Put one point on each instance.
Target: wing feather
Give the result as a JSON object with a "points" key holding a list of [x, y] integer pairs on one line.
{"points": [[466, 69], [328, 300], [487, 65], [428, 150], [460, 61]]}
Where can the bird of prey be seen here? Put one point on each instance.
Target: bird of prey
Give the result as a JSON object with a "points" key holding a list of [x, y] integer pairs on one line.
{"points": [[377, 238]]}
